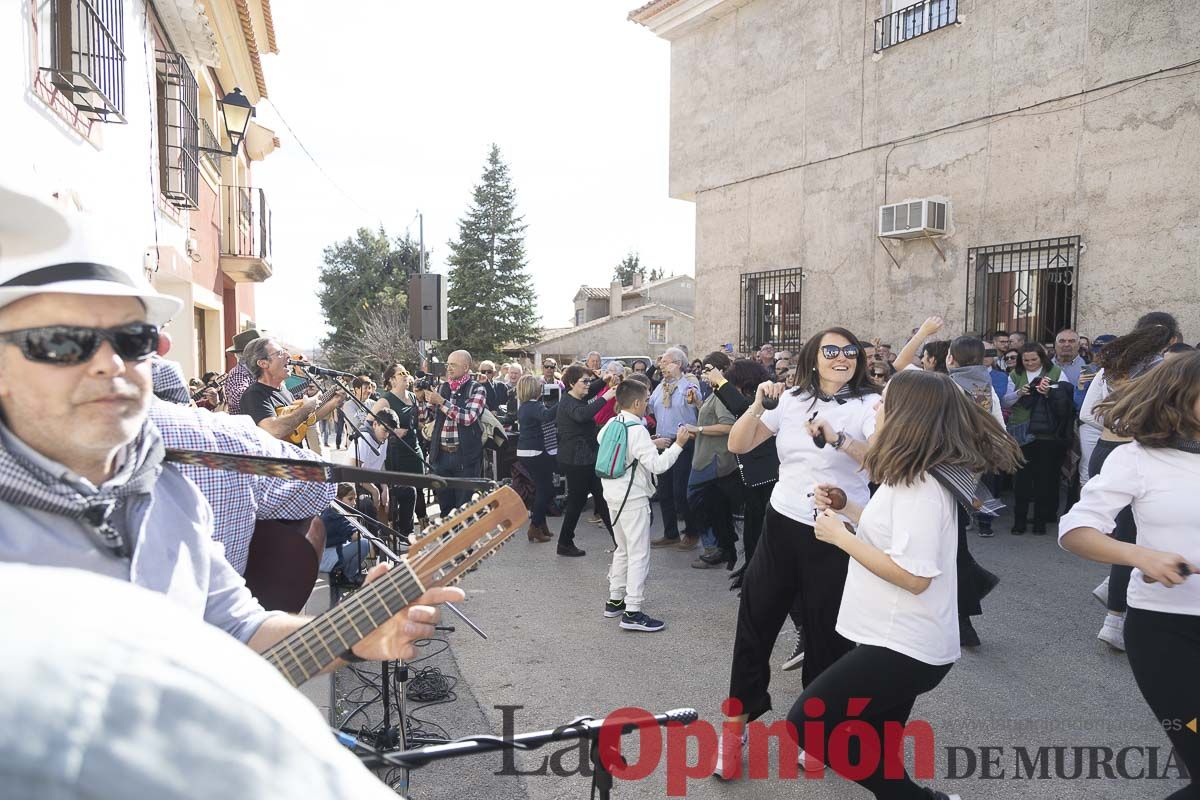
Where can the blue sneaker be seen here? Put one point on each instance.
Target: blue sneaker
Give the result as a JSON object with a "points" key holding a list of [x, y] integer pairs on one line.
{"points": [[637, 621], [614, 608]]}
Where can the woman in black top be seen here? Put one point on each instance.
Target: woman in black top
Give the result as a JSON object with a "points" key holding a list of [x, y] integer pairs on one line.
{"points": [[403, 449], [577, 448]]}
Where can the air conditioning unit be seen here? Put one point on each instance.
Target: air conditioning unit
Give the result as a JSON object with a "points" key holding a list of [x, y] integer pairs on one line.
{"points": [[914, 219]]}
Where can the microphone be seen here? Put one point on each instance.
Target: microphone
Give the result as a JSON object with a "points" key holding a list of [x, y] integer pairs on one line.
{"points": [[319, 370]]}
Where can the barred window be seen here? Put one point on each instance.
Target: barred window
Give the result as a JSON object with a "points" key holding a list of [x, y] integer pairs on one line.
{"points": [[84, 56], [658, 331], [770, 309], [1023, 286], [178, 130]]}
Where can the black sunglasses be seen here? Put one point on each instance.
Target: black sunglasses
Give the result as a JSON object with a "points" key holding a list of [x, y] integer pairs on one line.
{"points": [[68, 345], [830, 351], [1010, 358]]}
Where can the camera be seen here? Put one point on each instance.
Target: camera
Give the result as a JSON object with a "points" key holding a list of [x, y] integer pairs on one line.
{"points": [[551, 394], [425, 381]]}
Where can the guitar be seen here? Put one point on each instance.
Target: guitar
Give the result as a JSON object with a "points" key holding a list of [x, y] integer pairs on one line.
{"points": [[282, 565], [440, 556], [297, 436]]}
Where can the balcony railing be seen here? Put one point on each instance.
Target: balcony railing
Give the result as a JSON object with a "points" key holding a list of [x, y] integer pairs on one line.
{"points": [[87, 56], [913, 21], [245, 233]]}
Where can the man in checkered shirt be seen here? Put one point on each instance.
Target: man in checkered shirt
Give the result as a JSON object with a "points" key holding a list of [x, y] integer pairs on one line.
{"points": [[238, 500], [456, 450]]}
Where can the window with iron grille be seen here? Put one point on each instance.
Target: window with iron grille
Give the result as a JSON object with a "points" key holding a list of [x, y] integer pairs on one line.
{"points": [[658, 331], [770, 309], [178, 130], [86, 56], [913, 20], [1023, 286]]}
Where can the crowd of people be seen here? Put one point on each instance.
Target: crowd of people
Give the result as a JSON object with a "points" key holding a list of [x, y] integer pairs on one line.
{"points": [[851, 475]]}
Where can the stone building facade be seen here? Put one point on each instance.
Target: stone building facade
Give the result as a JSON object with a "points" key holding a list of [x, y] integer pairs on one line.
{"points": [[1064, 137]]}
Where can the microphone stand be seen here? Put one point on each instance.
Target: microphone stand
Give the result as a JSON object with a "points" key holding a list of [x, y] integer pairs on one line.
{"points": [[580, 728], [321, 371]]}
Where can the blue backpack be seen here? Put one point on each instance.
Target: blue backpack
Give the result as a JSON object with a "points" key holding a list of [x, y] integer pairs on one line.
{"points": [[612, 459]]}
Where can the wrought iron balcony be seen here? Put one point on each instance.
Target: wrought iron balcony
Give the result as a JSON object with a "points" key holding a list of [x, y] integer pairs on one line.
{"points": [[245, 234], [87, 56], [913, 21]]}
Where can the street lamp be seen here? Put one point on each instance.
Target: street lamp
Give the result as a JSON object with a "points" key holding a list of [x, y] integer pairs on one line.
{"points": [[237, 111]]}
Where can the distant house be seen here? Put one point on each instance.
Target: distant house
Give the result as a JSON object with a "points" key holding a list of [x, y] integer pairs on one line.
{"points": [[639, 320]]}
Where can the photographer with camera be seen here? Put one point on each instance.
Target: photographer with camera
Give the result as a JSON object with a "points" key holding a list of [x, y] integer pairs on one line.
{"points": [[577, 446], [1042, 421], [455, 407]]}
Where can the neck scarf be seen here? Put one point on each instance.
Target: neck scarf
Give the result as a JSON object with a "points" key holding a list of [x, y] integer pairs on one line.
{"points": [[458, 384], [23, 483], [668, 389], [967, 490], [1186, 445]]}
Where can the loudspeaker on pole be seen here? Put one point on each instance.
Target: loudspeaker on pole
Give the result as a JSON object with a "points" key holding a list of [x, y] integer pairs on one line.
{"points": [[427, 307]]}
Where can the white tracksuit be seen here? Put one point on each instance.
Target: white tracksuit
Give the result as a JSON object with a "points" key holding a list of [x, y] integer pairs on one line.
{"points": [[631, 561]]}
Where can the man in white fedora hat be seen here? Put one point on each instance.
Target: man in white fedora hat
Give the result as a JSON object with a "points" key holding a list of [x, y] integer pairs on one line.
{"points": [[82, 478]]}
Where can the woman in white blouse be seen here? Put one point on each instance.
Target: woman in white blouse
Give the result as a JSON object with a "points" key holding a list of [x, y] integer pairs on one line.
{"points": [[832, 397], [900, 600], [1157, 475]]}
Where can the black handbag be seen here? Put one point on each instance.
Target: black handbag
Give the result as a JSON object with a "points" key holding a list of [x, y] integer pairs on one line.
{"points": [[760, 466]]}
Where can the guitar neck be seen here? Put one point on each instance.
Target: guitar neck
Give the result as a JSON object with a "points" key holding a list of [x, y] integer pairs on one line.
{"points": [[318, 644]]}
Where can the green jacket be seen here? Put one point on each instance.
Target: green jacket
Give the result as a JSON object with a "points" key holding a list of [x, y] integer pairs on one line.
{"points": [[1020, 411]]}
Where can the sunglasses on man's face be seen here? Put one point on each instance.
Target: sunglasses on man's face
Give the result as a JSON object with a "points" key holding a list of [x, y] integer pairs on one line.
{"points": [[487, 372], [830, 351], [1010, 358], [67, 345]]}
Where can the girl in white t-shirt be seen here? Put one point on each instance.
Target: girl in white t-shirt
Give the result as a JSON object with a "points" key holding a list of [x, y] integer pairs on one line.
{"points": [[900, 601], [1156, 475]]}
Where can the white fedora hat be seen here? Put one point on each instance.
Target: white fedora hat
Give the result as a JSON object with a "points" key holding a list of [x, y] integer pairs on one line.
{"points": [[45, 250]]}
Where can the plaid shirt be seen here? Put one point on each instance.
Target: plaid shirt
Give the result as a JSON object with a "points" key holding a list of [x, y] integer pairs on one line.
{"points": [[238, 500], [456, 416], [236, 383], [169, 384]]}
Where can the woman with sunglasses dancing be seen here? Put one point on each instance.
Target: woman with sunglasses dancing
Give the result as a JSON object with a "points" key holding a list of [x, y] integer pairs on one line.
{"points": [[820, 428], [1156, 475]]}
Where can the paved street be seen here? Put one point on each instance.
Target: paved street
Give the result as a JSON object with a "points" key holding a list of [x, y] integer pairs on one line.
{"points": [[1041, 678]]}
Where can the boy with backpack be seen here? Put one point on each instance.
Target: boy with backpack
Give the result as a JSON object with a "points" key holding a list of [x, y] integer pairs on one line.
{"points": [[627, 462]]}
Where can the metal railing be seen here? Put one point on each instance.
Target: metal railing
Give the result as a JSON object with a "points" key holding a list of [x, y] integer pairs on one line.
{"points": [[913, 21], [246, 223], [770, 309], [210, 141], [87, 56], [1023, 286], [178, 130]]}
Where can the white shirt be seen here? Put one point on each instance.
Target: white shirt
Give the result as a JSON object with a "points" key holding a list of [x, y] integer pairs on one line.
{"points": [[917, 526], [1097, 390], [802, 465], [1161, 485], [117, 692], [650, 460], [363, 453]]}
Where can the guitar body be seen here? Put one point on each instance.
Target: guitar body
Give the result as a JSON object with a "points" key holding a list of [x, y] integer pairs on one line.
{"points": [[285, 556], [297, 436]]}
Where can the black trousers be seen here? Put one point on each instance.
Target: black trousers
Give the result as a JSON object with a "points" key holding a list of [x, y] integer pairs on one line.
{"points": [[969, 588], [541, 469], [891, 682], [402, 502], [714, 503], [1164, 655], [790, 567], [673, 496], [1037, 481], [1125, 530], [754, 516], [581, 481], [452, 465]]}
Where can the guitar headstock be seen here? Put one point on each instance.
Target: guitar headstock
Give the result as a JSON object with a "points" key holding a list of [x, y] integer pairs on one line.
{"points": [[452, 545]]}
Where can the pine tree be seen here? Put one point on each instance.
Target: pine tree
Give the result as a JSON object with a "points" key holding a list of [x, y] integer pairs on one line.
{"points": [[656, 274], [490, 296]]}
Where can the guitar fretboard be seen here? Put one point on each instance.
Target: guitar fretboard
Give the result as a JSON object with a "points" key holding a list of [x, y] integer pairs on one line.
{"points": [[319, 643]]}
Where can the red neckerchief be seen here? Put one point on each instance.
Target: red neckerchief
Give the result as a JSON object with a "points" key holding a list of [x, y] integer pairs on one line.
{"points": [[456, 385]]}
